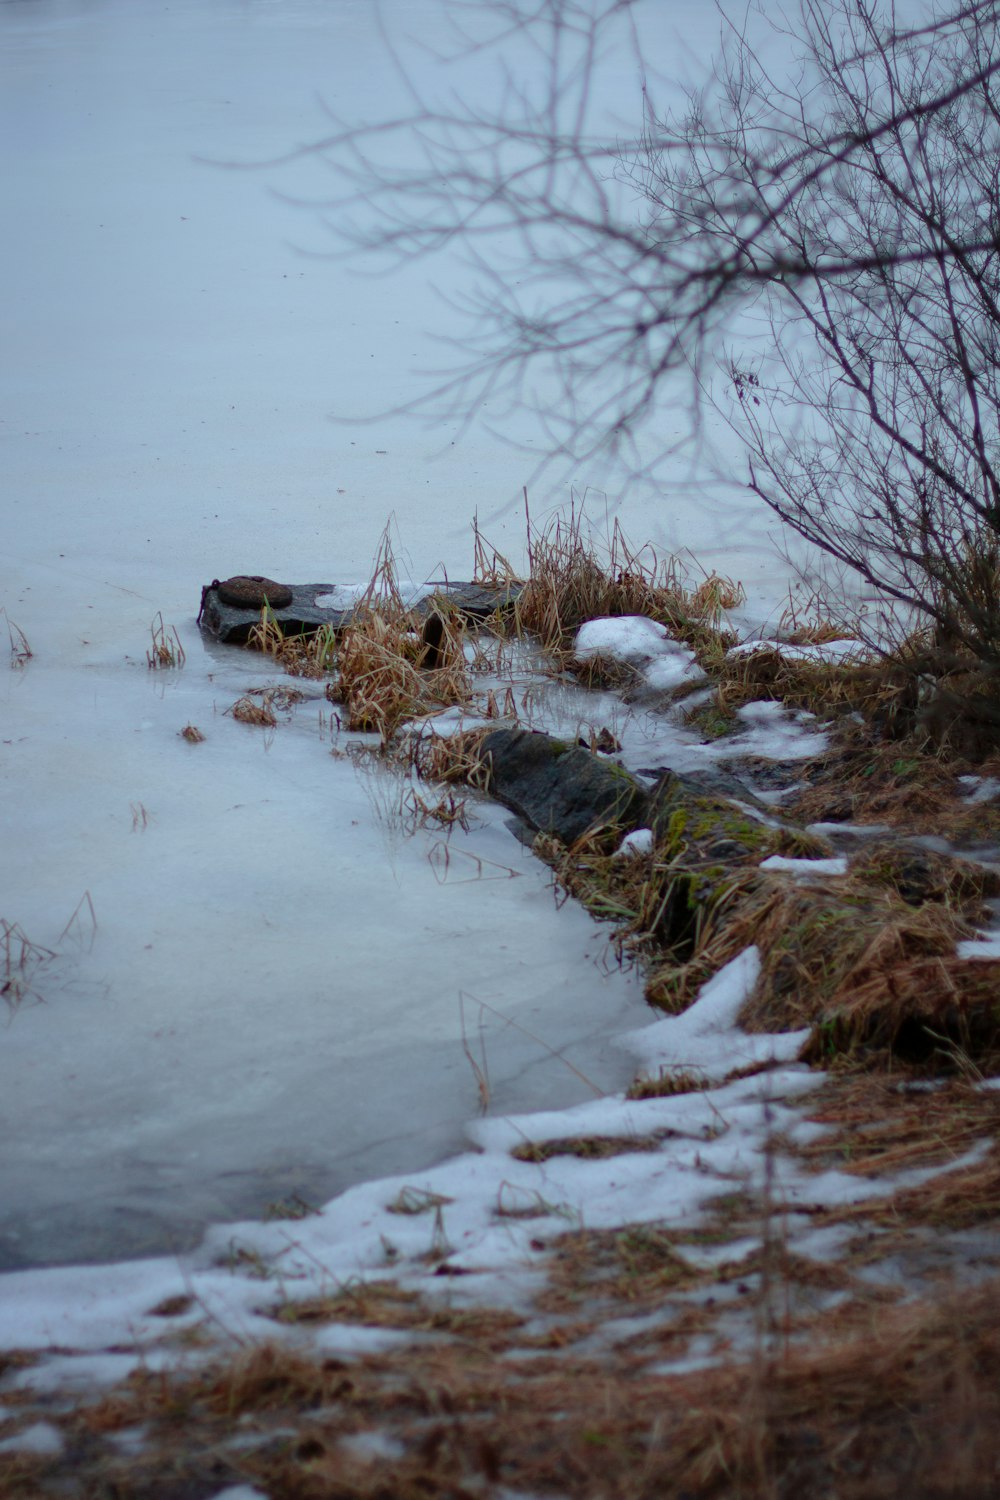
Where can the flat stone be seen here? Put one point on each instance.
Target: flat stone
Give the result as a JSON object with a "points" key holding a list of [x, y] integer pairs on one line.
{"points": [[232, 623]]}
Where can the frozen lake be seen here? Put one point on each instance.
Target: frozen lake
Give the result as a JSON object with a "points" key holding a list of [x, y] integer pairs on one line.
{"points": [[272, 999]]}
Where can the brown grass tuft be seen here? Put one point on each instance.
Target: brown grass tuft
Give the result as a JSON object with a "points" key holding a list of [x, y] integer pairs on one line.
{"points": [[261, 714], [381, 683], [588, 1147], [310, 654], [165, 649], [571, 581]]}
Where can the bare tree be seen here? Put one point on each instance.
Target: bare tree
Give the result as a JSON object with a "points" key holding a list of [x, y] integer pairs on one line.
{"points": [[838, 217]]}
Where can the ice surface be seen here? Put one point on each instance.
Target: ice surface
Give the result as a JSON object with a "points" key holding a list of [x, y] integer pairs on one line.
{"points": [[468, 1214]]}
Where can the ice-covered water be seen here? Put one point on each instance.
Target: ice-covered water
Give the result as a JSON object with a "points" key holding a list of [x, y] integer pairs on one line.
{"points": [[270, 1001]]}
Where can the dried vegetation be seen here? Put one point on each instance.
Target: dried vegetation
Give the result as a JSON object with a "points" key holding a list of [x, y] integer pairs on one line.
{"points": [[572, 579], [165, 649], [889, 1399]]}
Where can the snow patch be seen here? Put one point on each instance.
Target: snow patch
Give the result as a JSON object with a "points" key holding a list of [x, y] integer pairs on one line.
{"points": [[706, 1037], [639, 841], [644, 645], [41, 1438], [839, 651], [804, 869]]}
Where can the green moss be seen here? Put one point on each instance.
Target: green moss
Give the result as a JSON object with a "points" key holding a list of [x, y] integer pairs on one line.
{"points": [[712, 722], [713, 821]]}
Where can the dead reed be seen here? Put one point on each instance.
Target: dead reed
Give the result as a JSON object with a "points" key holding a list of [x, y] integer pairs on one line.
{"points": [[309, 654], [21, 960], [165, 649], [20, 651], [572, 579]]}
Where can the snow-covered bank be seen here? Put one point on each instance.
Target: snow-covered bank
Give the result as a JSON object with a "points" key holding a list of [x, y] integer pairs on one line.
{"points": [[472, 1232]]}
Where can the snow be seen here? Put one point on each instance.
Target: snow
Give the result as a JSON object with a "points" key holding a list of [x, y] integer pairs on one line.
{"points": [[705, 1038], [708, 1138], [838, 652], [484, 1213], [980, 788], [985, 945], [639, 841], [805, 869], [346, 595], [643, 644], [775, 733], [40, 1438], [854, 830], [239, 1492]]}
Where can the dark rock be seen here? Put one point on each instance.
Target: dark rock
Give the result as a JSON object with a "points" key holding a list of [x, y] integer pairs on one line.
{"points": [[558, 788], [302, 616], [232, 622], [710, 782], [432, 637]]}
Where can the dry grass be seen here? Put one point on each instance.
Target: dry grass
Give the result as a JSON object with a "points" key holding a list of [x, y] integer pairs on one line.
{"points": [[382, 682], [880, 1125], [392, 666], [20, 651], [881, 1401], [21, 960], [856, 962], [866, 960], [668, 1082], [165, 649], [587, 1147], [261, 715], [572, 580], [490, 568], [446, 758], [307, 654], [864, 779], [383, 1304]]}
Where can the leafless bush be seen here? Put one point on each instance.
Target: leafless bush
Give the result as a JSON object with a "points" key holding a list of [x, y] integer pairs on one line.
{"points": [[815, 242]]}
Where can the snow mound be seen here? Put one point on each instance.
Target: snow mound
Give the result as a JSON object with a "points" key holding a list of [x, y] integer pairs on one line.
{"points": [[706, 1038], [644, 645], [639, 841]]}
